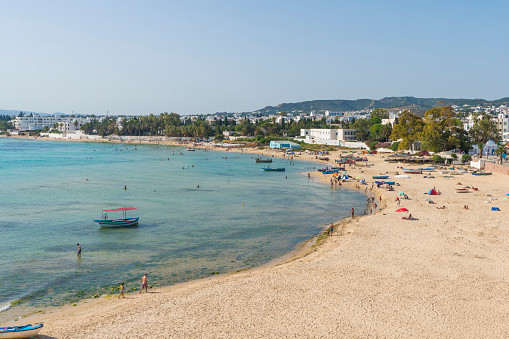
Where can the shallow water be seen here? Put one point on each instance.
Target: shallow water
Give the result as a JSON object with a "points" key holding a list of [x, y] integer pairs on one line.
{"points": [[239, 217]]}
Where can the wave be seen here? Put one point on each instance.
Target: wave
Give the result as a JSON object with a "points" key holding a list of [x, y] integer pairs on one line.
{"points": [[5, 307]]}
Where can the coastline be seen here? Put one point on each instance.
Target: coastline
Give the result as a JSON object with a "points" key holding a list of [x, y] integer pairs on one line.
{"points": [[299, 249], [443, 274]]}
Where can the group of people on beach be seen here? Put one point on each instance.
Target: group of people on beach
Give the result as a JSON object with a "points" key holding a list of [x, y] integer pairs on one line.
{"points": [[144, 285], [144, 279]]}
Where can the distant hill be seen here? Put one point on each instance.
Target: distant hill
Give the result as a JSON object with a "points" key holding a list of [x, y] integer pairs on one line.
{"points": [[416, 105]]}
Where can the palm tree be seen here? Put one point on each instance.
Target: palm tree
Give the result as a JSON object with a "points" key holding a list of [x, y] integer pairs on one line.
{"points": [[501, 151]]}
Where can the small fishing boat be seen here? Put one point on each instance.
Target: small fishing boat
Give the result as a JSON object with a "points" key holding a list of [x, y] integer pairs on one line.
{"points": [[324, 158], [105, 222], [268, 169], [385, 182], [263, 160], [412, 171], [427, 169], [190, 149], [462, 190], [481, 173], [380, 176], [331, 171], [25, 331]]}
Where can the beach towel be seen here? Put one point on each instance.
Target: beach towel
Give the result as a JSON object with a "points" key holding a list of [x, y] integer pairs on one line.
{"points": [[495, 209]]}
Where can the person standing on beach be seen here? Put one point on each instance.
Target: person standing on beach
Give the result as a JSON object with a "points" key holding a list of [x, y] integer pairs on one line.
{"points": [[144, 283], [121, 291], [79, 249], [331, 229], [353, 212]]}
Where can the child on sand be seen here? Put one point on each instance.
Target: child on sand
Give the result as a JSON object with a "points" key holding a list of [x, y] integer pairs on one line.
{"points": [[121, 291]]}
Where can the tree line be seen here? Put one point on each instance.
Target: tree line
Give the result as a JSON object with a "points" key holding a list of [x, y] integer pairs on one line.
{"points": [[171, 125]]}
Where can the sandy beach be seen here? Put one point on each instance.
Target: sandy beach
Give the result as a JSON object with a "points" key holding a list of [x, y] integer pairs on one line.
{"points": [[444, 274]]}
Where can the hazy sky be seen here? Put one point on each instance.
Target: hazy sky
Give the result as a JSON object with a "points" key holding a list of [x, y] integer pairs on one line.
{"points": [[188, 57]]}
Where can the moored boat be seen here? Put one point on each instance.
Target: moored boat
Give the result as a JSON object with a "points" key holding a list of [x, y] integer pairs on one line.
{"points": [[331, 171], [263, 160], [268, 169], [481, 173], [190, 149], [25, 331], [123, 222], [412, 171], [385, 182], [380, 176], [462, 190]]}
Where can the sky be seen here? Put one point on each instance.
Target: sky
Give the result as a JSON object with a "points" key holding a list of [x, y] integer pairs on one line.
{"points": [[201, 57]]}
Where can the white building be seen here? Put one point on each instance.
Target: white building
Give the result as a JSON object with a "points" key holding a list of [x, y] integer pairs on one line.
{"points": [[35, 122], [392, 119], [327, 136], [503, 123]]}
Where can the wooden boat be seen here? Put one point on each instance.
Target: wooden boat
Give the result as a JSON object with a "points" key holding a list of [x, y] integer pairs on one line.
{"points": [[190, 149], [268, 169], [462, 190], [427, 169], [26, 331], [105, 222], [263, 160], [481, 173], [324, 158], [385, 182], [331, 171], [380, 176], [412, 171]]}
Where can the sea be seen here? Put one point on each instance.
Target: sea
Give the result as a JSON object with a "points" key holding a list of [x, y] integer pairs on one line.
{"points": [[201, 213]]}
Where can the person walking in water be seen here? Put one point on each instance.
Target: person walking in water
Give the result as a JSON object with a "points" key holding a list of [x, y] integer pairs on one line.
{"points": [[79, 249], [144, 283], [121, 291]]}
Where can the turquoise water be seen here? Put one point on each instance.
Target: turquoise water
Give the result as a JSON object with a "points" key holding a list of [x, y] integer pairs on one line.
{"points": [[239, 217]]}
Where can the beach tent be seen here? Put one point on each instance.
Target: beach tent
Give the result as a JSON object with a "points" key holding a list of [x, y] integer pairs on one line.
{"points": [[345, 177], [402, 210], [433, 192]]}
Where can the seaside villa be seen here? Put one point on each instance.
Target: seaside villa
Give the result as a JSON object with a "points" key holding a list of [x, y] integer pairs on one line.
{"points": [[323, 136]]}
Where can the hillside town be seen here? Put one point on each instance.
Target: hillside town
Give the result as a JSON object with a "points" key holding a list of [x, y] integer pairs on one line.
{"points": [[320, 127]]}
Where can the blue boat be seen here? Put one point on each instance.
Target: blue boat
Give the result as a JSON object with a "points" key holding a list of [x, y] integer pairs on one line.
{"points": [[330, 171], [25, 331], [124, 222], [385, 182], [281, 169]]}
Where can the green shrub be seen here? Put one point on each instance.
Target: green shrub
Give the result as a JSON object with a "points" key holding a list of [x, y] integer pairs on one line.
{"points": [[454, 156], [394, 146], [438, 159], [465, 158]]}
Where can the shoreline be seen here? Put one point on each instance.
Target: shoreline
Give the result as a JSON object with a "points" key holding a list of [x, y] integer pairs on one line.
{"points": [[300, 250], [442, 274]]}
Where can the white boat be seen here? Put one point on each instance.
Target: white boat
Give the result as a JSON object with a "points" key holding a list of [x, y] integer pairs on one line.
{"points": [[402, 176], [25, 331]]}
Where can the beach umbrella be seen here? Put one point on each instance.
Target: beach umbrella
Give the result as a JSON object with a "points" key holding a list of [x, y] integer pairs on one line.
{"points": [[401, 193], [358, 177], [402, 210]]}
